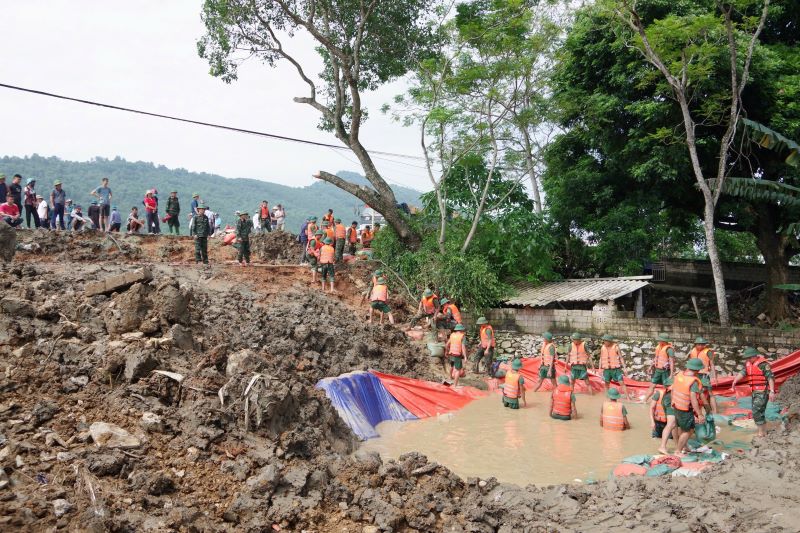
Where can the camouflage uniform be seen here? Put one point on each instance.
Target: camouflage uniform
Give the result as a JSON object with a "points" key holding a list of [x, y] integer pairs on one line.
{"points": [[761, 398], [243, 230], [174, 211], [201, 229]]}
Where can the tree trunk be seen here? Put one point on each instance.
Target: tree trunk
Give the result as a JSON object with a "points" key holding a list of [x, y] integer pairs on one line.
{"points": [[531, 165], [774, 248], [716, 265], [379, 203]]}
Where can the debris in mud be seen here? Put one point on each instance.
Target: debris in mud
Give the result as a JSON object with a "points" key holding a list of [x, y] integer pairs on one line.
{"points": [[118, 282], [276, 247], [8, 242]]}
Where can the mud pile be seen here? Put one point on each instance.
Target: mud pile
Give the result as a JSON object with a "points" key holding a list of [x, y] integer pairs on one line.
{"points": [[275, 247], [89, 245]]}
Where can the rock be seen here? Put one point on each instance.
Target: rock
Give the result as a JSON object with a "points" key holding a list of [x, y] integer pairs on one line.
{"points": [[139, 364], [8, 242], [151, 422], [428, 468], [182, 337], [106, 463], [505, 344], [370, 529], [107, 435], [17, 307], [162, 484], [296, 477], [128, 310], [172, 302], [80, 381], [52, 439], [637, 360], [265, 481], [43, 412], [118, 282], [61, 507], [239, 361], [64, 457]]}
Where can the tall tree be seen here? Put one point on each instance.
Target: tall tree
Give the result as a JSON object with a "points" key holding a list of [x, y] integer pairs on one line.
{"points": [[363, 44]]}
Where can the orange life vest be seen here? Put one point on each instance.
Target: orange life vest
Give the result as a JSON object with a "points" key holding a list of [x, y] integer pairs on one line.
{"points": [[328, 232], [547, 358], [511, 388], [264, 212], [610, 357], [703, 356], [577, 354], [562, 400], [453, 311], [659, 414], [662, 357], [311, 229], [327, 254], [340, 231], [366, 236], [429, 304], [353, 232], [328, 217], [613, 419], [682, 391], [486, 340], [380, 293], [755, 376], [456, 341]]}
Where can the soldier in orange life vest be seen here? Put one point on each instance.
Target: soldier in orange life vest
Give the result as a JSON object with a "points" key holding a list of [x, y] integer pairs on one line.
{"points": [[329, 217], [327, 256], [578, 361], [514, 386], [352, 238], [758, 375], [613, 415], [562, 401], [670, 429], [427, 309], [366, 237], [450, 315], [686, 390], [611, 363], [663, 366], [549, 355], [328, 229], [379, 300], [311, 228], [339, 235], [487, 345], [456, 350], [313, 247], [706, 355]]}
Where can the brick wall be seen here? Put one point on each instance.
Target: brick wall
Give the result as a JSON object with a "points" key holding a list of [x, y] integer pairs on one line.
{"points": [[622, 324]]}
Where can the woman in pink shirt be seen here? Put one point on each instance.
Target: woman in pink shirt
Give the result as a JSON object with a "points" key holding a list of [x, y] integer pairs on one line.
{"points": [[151, 211]]}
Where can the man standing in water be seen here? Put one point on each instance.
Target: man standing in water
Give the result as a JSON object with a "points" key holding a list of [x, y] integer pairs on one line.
{"points": [[686, 390], [547, 369], [613, 415], [611, 363], [578, 361], [514, 386], [562, 401], [758, 375], [663, 366], [706, 355]]}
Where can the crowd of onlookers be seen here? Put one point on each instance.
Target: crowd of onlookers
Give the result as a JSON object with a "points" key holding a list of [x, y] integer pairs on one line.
{"points": [[23, 205]]}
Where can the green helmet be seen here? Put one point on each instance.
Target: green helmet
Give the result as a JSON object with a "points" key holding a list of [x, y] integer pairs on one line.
{"points": [[516, 364], [381, 281], [613, 393], [694, 364], [663, 337], [459, 327], [700, 340], [444, 301], [547, 335], [482, 320], [750, 352], [607, 337], [564, 380], [576, 336], [328, 240], [428, 293]]}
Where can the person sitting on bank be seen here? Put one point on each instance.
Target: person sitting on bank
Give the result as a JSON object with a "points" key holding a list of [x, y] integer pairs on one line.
{"points": [[758, 374], [547, 368], [562, 401], [514, 386], [613, 415], [579, 360]]}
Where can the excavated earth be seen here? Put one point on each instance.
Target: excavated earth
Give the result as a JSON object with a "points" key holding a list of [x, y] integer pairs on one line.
{"points": [[186, 402]]}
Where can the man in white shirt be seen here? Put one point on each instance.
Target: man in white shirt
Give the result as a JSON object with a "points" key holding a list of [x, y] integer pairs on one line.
{"points": [[41, 210]]}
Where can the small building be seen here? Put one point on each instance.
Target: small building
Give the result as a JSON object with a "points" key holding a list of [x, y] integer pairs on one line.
{"points": [[586, 305]]}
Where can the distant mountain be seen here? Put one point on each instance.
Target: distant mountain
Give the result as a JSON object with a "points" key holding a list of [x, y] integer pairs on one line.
{"points": [[129, 180]]}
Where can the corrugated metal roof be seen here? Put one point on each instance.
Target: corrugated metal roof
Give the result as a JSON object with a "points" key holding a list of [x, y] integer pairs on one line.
{"points": [[576, 290]]}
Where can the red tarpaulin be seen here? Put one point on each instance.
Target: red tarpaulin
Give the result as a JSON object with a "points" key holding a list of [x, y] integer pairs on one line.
{"points": [[426, 398], [783, 368]]}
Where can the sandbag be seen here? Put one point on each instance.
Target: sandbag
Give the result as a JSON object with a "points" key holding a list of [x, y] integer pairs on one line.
{"points": [[228, 239], [415, 334], [638, 459], [706, 432], [660, 470], [691, 469], [670, 460], [627, 469], [436, 349]]}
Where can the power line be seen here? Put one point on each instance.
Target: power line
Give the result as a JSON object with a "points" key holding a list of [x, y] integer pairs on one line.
{"points": [[199, 123]]}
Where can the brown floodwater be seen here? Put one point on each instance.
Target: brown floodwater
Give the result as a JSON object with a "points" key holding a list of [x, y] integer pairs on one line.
{"points": [[525, 446]]}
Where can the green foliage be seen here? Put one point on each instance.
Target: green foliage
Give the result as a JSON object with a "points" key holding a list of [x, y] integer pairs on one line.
{"points": [[129, 180]]}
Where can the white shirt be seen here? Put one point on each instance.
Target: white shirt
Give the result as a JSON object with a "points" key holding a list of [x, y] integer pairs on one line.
{"points": [[41, 209]]}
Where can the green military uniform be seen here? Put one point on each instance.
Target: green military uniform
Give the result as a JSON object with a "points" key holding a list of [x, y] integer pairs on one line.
{"points": [[201, 229], [761, 398], [339, 245], [244, 227], [685, 419], [174, 211], [549, 371]]}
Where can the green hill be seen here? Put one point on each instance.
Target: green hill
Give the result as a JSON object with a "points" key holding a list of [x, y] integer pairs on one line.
{"points": [[129, 180]]}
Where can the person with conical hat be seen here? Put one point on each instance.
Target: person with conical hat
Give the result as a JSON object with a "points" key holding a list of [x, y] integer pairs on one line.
{"points": [[379, 300], [514, 386], [327, 258], [562, 400], [612, 363], [663, 365], [758, 375], [549, 357], [706, 355], [613, 415], [686, 391], [579, 361], [487, 345], [428, 308], [456, 350]]}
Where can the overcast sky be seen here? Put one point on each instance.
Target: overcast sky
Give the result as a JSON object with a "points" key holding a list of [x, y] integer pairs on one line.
{"points": [[142, 54]]}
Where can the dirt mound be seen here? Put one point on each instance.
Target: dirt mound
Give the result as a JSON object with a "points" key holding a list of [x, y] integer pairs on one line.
{"points": [[89, 245], [275, 247]]}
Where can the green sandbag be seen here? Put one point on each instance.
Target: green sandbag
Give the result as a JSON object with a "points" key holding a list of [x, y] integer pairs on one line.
{"points": [[638, 459], [659, 470], [722, 420], [711, 457], [706, 432], [773, 412], [693, 444], [745, 402]]}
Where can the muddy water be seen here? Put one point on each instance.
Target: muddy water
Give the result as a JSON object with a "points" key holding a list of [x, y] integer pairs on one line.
{"points": [[524, 446]]}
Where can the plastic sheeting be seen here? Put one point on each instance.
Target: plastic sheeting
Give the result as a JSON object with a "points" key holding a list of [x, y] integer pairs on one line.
{"points": [[363, 402], [425, 398]]}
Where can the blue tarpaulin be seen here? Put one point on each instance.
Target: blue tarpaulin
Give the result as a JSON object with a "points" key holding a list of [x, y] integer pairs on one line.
{"points": [[363, 402]]}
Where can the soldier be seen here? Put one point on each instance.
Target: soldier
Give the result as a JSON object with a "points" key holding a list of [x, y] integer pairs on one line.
{"points": [[201, 229], [339, 236], [174, 212], [244, 226]]}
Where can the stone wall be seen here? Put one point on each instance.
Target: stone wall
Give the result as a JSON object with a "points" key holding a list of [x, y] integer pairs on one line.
{"points": [[638, 354], [622, 324]]}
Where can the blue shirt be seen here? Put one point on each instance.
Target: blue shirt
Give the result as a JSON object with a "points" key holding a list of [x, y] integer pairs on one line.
{"points": [[194, 205], [116, 218], [105, 195], [59, 197]]}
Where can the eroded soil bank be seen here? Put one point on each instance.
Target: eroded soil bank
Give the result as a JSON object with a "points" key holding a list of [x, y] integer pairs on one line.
{"points": [[249, 345]]}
